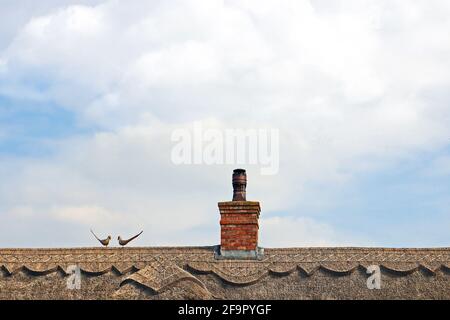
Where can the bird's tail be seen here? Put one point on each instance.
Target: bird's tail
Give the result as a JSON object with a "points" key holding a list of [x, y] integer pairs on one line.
{"points": [[132, 238], [94, 235]]}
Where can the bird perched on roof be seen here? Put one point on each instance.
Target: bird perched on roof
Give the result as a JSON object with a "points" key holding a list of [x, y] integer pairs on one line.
{"points": [[104, 242], [125, 242]]}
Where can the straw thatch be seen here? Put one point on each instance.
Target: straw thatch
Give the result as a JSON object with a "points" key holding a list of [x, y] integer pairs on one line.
{"points": [[194, 273]]}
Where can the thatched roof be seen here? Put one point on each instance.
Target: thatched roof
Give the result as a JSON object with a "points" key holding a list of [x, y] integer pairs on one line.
{"points": [[193, 272]]}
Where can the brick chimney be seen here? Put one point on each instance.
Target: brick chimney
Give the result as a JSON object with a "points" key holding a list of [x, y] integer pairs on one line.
{"points": [[239, 223]]}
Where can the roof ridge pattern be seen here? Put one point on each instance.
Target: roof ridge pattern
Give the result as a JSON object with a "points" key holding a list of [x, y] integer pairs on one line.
{"points": [[156, 268]]}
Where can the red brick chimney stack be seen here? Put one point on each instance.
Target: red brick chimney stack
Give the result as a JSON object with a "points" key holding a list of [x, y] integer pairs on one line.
{"points": [[239, 223]]}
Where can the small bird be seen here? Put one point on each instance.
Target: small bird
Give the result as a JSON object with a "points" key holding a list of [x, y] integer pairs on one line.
{"points": [[125, 242], [104, 242]]}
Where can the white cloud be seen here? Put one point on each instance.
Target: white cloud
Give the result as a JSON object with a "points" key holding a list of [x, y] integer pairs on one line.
{"points": [[301, 232], [15, 14], [22, 211], [87, 215], [345, 84]]}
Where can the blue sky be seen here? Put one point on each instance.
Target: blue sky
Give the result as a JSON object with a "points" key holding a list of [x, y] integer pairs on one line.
{"points": [[28, 127], [90, 92]]}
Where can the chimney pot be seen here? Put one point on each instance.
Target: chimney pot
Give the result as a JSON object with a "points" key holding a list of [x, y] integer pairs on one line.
{"points": [[239, 185]]}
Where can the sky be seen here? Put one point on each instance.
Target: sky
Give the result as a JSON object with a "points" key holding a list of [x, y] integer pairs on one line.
{"points": [[91, 91]]}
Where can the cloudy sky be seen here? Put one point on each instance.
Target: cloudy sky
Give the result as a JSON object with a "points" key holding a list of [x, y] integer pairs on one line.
{"points": [[91, 91]]}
